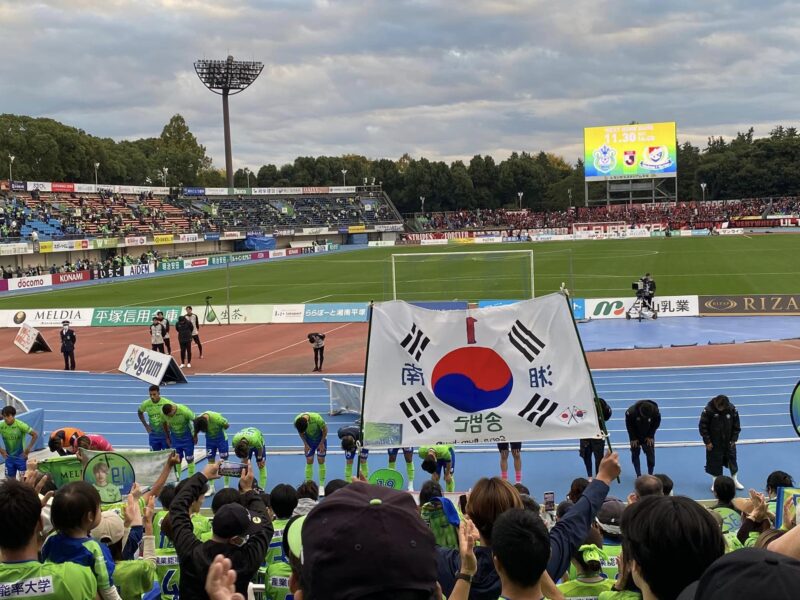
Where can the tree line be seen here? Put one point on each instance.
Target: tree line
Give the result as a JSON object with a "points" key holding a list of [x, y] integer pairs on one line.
{"points": [[46, 150]]}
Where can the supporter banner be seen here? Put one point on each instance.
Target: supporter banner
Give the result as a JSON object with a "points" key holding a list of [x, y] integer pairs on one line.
{"points": [[425, 383], [277, 253], [85, 188], [133, 317], [350, 189], [133, 270], [46, 317], [439, 235], [211, 236], [163, 238], [313, 230], [194, 191], [100, 243], [170, 265], [138, 240], [193, 263], [30, 283], [284, 232], [354, 312], [62, 187], [288, 313], [15, 248], [30, 340], [262, 255], [232, 235], [380, 244], [188, 237], [146, 466], [356, 229], [42, 186], [316, 190], [731, 231], [759, 304], [390, 227], [667, 306], [18, 186], [60, 278], [216, 191]]}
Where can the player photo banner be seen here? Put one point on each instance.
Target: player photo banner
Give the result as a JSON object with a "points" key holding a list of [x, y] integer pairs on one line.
{"points": [[501, 374]]}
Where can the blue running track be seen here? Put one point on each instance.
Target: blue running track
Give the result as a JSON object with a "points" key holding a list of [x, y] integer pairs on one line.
{"points": [[107, 404]]}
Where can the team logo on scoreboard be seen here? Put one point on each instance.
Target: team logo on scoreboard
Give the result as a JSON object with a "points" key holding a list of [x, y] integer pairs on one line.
{"points": [[605, 159], [630, 158], [656, 157]]}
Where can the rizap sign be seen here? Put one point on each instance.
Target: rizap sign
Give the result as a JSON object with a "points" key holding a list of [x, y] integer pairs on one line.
{"points": [[666, 306], [776, 304]]}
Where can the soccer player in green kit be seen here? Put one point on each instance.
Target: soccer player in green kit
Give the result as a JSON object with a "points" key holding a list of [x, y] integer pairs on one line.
{"points": [[249, 442], [179, 420], [13, 432], [438, 458], [157, 433], [213, 425], [314, 432]]}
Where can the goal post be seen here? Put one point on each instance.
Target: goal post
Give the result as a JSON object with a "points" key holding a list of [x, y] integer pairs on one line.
{"points": [[464, 276]]}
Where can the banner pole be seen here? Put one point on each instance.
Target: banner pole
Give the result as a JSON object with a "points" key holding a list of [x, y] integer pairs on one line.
{"points": [[228, 286], [366, 365]]}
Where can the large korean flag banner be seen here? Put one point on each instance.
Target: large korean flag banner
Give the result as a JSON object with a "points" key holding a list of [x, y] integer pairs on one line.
{"points": [[500, 374]]}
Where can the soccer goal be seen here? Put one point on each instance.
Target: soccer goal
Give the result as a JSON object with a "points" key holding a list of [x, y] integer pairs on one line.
{"points": [[464, 276], [344, 397]]}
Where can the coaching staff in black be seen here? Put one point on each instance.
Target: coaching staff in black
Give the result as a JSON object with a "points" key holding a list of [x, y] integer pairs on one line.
{"points": [[642, 420]]}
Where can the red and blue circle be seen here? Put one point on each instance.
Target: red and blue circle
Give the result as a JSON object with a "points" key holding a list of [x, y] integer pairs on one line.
{"points": [[471, 379]]}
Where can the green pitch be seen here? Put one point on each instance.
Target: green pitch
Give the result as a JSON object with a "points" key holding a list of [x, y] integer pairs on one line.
{"points": [[720, 265]]}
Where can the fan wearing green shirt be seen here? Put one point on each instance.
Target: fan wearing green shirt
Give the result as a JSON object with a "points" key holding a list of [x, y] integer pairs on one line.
{"points": [[314, 432], [590, 580], [179, 421], [276, 569], [213, 425], [436, 459], [20, 530], [13, 433], [155, 426], [249, 443]]}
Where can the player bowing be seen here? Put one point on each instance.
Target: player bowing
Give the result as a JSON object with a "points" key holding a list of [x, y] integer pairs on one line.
{"points": [[249, 443], [213, 425], [314, 432], [436, 459], [178, 419]]}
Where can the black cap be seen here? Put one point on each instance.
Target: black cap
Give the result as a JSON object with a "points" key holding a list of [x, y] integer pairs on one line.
{"points": [[233, 520], [747, 573], [388, 526], [65, 322]]}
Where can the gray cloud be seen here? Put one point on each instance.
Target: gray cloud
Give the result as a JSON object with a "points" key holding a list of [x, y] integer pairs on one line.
{"points": [[440, 78]]}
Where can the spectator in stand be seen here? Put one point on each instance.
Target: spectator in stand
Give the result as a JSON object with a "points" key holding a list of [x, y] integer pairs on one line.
{"points": [[591, 447], [645, 485], [669, 541], [725, 492], [642, 420], [720, 429], [21, 529], [576, 489], [276, 570], [241, 532], [666, 483], [589, 580], [307, 497], [608, 522]]}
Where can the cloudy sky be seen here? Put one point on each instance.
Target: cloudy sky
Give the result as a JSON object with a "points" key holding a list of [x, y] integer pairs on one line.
{"points": [[443, 79]]}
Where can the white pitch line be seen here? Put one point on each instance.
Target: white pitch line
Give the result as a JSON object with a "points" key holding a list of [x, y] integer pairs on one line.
{"points": [[313, 299]]}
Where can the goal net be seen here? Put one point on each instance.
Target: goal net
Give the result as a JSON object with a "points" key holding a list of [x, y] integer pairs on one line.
{"points": [[344, 397], [465, 276]]}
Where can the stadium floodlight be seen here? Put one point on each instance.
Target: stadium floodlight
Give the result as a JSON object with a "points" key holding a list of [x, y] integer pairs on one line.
{"points": [[344, 177], [519, 195], [226, 78], [96, 166], [11, 158], [422, 204], [703, 187]]}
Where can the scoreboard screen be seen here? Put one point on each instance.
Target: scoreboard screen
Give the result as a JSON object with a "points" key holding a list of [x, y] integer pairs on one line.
{"points": [[641, 151]]}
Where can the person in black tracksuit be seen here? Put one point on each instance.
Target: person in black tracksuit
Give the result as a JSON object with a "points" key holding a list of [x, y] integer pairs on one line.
{"points": [[184, 329], [642, 421], [720, 429], [592, 447], [68, 340], [165, 323]]}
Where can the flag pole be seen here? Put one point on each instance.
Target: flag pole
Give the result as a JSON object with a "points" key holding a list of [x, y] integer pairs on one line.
{"points": [[366, 364], [598, 409]]}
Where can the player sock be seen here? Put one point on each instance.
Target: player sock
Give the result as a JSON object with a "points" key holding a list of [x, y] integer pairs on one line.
{"points": [[309, 472], [365, 469], [504, 475], [393, 466], [348, 472], [518, 476], [262, 478], [191, 469], [323, 468], [450, 486], [227, 481], [410, 471]]}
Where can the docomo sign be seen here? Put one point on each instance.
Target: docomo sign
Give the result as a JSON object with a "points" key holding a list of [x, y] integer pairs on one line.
{"points": [[30, 283], [667, 306]]}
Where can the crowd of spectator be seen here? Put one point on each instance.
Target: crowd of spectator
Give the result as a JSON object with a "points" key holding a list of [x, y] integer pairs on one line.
{"points": [[110, 263], [676, 215], [361, 541]]}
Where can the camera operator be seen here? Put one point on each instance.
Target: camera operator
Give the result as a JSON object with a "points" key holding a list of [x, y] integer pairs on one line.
{"points": [[647, 290]]}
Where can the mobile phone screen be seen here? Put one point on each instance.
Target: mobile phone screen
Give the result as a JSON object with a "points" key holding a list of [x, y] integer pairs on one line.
{"points": [[231, 469], [549, 501]]}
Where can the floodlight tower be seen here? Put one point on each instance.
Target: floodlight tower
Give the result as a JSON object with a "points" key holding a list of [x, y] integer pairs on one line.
{"points": [[226, 78]]}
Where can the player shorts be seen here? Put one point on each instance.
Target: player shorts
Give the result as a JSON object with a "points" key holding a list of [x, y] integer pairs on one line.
{"points": [[157, 441], [393, 452], [257, 454], [184, 447], [514, 446], [217, 445], [443, 464], [351, 455], [15, 464], [318, 447]]}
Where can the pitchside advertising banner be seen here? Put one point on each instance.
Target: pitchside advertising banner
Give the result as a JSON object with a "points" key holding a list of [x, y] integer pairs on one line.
{"points": [[615, 308], [46, 317], [146, 269], [336, 313], [128, 317], [153, 367], [726, 306], [502, 374], [641, 151], [30, 283]]}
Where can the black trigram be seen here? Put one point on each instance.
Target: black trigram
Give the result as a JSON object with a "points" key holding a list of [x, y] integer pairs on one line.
{"points": [[415, 342], [419, 412], [538, 409], [525, 341]]}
